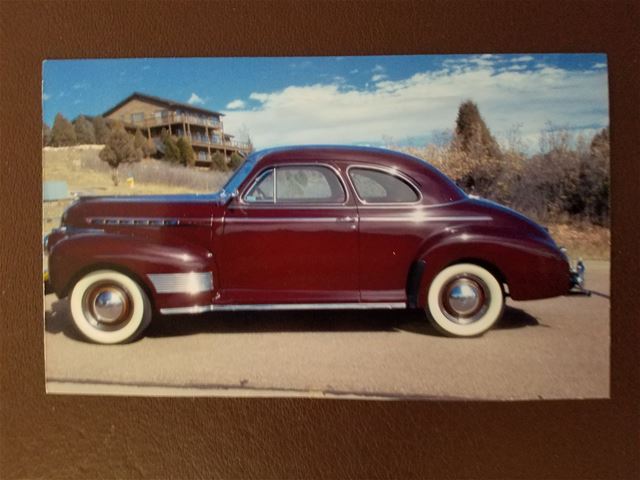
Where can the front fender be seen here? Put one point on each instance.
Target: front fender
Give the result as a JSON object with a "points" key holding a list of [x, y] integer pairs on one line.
{"points": [[531, 267], [74, 255]]}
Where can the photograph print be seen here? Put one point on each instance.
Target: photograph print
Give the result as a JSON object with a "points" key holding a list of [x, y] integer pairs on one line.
{"points": [[355, 227]]}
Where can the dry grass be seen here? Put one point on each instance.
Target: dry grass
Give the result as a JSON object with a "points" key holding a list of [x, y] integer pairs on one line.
{"points": [[583, 240], [86, 174]]}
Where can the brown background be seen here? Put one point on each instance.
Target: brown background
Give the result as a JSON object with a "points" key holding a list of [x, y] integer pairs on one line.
{"points": [[89, 437]]}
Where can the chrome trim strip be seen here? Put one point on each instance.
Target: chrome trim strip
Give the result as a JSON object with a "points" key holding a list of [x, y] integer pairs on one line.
{"points": [[275, 204], [150, 221], [191, 282], [391, 171], [283, 306], [286, 219], [424, 218]]}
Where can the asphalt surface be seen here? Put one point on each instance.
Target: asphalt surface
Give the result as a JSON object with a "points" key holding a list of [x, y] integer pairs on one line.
{"points": [[551, 349]]}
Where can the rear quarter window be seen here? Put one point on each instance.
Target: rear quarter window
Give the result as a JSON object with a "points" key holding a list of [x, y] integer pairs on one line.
{"points": [[376, 186]]}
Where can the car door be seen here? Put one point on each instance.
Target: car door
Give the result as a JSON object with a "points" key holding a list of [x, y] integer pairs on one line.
{"points": [[291, 237]]}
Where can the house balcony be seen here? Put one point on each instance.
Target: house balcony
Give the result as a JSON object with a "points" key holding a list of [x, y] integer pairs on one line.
{"points": [[168, 117]]}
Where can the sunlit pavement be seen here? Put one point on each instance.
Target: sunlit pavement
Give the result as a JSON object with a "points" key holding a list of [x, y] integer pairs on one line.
{"points": [[550, 349]]}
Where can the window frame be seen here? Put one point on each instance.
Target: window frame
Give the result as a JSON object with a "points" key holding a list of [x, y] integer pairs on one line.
{"points": [[394, 172], [291, 204]]}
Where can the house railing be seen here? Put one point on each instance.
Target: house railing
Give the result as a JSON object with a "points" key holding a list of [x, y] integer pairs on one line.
{"points": [[166, 117]]}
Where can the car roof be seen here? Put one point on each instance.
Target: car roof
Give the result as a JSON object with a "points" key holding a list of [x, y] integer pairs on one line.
{"points": [[356, 154]]}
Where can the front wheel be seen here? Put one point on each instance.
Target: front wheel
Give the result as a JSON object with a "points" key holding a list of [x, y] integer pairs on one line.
{"points": [[109, 307], [464, 300]]}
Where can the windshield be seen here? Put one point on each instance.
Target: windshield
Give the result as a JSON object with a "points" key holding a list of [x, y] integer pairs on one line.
{"points": [[239, 175]]}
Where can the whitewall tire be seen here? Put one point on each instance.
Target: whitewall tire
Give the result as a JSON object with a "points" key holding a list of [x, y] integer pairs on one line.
{"points": [[464, 300], [109, 307]]}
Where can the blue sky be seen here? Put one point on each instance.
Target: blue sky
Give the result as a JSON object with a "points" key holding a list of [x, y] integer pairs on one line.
{"points": [[357, 100]]}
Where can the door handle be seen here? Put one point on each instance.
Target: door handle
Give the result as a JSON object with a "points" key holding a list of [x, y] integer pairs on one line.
{"points": [[346, 219]]}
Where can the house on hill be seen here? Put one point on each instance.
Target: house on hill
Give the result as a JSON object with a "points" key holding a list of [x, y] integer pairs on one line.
{"points": [[202, 127]]}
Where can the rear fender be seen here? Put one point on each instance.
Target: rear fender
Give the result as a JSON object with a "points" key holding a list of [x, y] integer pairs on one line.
{"points": [[530, 268]]}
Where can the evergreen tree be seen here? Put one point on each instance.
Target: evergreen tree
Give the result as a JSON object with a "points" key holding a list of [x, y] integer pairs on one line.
{"points": [[139, 142], [472, 132], [149, 148], [171, 151], [62, 134], [187, 155], [46, 135], [235, 161], [120, 148], [101, 130], [85, 132], [218, 162]]}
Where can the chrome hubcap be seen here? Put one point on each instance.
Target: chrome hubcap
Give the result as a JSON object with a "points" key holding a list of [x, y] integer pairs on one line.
{"points": [[464, 299], [107, 306]]}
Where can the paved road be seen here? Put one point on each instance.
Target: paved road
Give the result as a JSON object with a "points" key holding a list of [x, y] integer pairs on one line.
{"points": [[556, 348]]}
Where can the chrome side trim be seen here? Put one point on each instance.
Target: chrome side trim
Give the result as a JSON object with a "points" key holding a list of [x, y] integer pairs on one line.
{"points": [[283, 306], [150, 221], [192, 282], [424, 218], [286, 219]]}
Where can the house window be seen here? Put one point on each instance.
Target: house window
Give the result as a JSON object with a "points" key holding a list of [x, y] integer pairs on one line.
{"points": [[137, 117], [202, 155]]}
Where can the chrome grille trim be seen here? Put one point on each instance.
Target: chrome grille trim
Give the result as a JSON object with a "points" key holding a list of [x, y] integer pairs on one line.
{"points": [[192, 282], [283, 306]]}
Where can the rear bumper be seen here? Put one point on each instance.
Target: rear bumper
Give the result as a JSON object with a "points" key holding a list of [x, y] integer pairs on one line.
{"points": [[577, 273]]}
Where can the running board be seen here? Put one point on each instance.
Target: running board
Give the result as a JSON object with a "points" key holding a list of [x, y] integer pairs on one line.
{"points": [[282, 306]]}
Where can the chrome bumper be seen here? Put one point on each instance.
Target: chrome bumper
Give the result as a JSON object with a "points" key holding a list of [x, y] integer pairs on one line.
{"points": [[577, 279]]}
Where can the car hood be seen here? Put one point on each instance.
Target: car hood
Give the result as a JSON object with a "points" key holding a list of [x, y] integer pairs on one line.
{"points": [[89, 211]]}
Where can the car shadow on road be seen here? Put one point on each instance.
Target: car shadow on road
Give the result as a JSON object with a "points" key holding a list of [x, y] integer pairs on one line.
{"points": [[413, 321], [58, 320]]}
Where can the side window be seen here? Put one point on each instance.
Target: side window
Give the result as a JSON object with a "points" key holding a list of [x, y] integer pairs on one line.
{"points": [[262, 189], [308, 184], [375, 186]]}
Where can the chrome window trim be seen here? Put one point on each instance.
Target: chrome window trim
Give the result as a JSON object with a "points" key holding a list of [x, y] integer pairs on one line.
{"points": [[394, 172], [255, 181], [300, 205], [283, 306]]}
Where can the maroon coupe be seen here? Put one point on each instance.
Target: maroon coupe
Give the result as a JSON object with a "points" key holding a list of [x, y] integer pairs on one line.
{"points": [[323, 227]]}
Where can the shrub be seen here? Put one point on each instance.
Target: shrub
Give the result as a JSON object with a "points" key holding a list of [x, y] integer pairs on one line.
{"points": [[171, 150], [101, 130], [235, 161], [62, 134], [46, 135], [85, 132], [187, 155], [120, 148], [218, 162]]}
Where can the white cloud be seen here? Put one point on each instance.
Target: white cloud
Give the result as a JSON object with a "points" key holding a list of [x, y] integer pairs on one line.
{"points": [[81, 86], [523, 58], [235, 104], [46, 96], [599, 65], [427, 102], [354, 71], [378, 76], [378, 69], [195, 99]]}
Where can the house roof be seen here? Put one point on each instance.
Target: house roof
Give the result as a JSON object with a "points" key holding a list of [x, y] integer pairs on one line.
{"points": [[164, 102]]}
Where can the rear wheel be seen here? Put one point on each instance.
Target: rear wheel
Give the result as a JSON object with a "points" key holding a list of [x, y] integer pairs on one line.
{"points": [[109, 307], [464, 300]]}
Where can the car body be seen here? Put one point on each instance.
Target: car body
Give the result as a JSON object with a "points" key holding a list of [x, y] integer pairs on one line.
{"points": [[327, 227]]}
